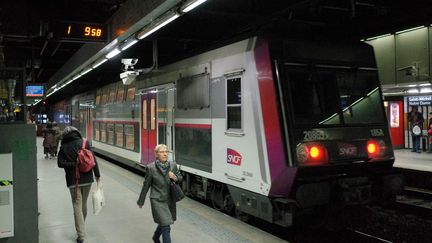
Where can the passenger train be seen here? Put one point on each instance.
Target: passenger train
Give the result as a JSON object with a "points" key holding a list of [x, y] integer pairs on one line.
{"points": [[263, 127]]}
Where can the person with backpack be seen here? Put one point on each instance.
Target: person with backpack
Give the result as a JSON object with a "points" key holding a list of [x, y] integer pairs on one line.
{"points": [[79, 163]]}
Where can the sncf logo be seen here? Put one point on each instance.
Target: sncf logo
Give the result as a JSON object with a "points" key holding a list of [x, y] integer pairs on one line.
{"points": [[233, 157]]}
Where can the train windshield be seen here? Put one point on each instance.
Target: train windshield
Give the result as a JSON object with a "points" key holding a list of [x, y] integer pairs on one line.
{"points": [[332, 95]]}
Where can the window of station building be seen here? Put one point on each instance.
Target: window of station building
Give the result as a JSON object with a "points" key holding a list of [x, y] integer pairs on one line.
{"points": [[130, 96], [234, 103], [103, 132], [120, 93], [119, 135], [96, 131], [110, 129], [129, 137]]}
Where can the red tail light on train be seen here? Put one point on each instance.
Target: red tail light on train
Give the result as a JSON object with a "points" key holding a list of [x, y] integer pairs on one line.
{"points": [[312, 154], [375, 149]]}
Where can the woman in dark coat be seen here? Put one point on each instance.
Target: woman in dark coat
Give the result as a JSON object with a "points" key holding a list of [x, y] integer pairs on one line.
{"points": [[158, 176], [70, 144], [49, 141]]}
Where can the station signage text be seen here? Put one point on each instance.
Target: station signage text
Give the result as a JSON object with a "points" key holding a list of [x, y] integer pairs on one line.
{"points": [[420, 100]]}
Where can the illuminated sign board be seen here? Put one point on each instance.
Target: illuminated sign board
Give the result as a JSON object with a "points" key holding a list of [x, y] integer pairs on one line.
{"points": [[85, 32], [35, 90], [420, 100]]}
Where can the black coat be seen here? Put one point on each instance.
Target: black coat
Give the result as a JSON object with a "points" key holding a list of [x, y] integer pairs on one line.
{"points": [[67, 157]]}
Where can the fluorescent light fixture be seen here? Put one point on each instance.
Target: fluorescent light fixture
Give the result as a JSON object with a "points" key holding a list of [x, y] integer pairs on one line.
{"points": [[86, 71], [408, 30], [128, 43], [426, 84], [77, 77], [193, 5], [377, 37], [372, 91], [412, 85], [113, 53], [425, 90], [151, 29], [97, 64], [413, 91]]}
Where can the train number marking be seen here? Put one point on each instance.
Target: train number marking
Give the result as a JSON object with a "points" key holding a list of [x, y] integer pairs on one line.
{"points": [[314, 135], [377, 132]]}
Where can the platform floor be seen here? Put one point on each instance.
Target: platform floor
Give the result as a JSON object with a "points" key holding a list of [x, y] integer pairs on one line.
{"points": [[121, 220], [406, 159]]}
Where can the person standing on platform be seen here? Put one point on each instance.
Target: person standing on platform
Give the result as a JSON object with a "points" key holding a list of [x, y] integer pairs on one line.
{"points": [[429, 134], [57, 134], [49, 141], [70, 144], [415, 118], [158, 176]]}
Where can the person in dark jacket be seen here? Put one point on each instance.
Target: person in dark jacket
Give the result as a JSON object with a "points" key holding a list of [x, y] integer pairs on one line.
{"points": [[158, 176], [70, 144], [49, 140]]}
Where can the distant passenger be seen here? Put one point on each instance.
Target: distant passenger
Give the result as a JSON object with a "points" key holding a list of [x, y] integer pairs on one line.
{"points": [[416, 119], [70, 144], [158, 176], [57, 134], [49, 141], [430, 132]]}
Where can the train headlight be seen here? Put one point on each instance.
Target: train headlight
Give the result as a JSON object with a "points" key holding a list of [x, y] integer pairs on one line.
{"points": [[311, 154]]}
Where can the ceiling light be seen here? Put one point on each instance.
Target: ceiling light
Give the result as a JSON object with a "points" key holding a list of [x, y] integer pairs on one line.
{"points": [[97, 64], [425, 90], [413, 91], [113, 53], [171, 16], [128, 43], [426, 84], [192, 5], [86, 71]]}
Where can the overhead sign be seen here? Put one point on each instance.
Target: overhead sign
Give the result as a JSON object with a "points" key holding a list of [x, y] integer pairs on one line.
{"points": [[420, 100], [35, 90], [78, 31]]}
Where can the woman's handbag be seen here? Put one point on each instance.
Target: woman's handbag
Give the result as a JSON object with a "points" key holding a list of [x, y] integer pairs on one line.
{"points": [[176, 191], [98, 199]]}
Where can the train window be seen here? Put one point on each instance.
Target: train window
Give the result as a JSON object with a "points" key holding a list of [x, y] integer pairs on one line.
{"points": [[96, 131], [129, 137], [120, 93], [130, 96], [103, 132], [119, 134], [333, 96], [110, 129], [112, 95], [193, 92], [152, 114], [234, 103], [144, 114]]}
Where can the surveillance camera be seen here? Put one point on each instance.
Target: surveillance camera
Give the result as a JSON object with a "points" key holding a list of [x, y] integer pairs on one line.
{"points": [[129, 61], [128, 77]]}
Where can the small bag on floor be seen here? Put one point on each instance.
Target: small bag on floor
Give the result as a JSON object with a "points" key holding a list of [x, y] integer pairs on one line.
{"points": [[98, 199]]}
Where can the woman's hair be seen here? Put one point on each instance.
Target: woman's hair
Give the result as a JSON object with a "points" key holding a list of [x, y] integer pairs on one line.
{"points": [[68, 130], [159, 147]]}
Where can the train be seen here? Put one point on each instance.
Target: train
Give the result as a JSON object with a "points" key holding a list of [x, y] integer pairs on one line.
{"points": [[267, 127]]}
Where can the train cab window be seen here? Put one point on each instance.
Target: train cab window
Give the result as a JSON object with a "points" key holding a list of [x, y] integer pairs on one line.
{"points": [[129, 137], [333, 95], [119, 134], [153, 114], [144, 114], [96, 131], [130, 95], [110, 129], [103, 132], [234, 103]]}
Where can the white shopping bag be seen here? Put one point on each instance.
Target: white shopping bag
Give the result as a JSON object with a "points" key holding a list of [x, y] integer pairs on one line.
{"points": [[98, 199]]}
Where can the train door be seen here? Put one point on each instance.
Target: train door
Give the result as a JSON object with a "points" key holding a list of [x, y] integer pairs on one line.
{"points": [[148, 125], [165, 117]]}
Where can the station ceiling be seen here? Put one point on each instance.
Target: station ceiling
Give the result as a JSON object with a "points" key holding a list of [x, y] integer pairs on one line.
{"points": [[29, 51]]}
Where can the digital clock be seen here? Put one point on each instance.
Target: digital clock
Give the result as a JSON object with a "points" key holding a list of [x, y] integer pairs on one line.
{"points": [[86, 32]]}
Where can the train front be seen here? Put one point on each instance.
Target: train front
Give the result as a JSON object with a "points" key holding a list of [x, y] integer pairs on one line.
{"points": [[335, 127]]}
